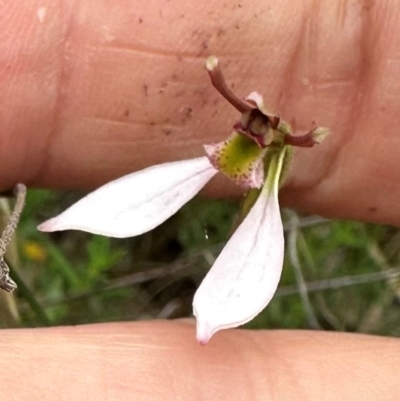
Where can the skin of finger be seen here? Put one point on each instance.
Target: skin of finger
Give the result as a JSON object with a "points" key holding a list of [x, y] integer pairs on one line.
{"points": [[161, 361], [94, 90]]}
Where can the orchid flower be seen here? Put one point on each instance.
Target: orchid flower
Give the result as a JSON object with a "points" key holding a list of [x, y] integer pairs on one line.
{"points": [[245, 276]]}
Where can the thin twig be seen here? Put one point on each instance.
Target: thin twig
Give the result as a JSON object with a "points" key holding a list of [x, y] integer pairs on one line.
{"points": [[312, 286], [169, 309], [308, 221], [20, 193], [341, 282], [380, 259], [30, 298], [294, 257], [320, 299], [6, 283]]}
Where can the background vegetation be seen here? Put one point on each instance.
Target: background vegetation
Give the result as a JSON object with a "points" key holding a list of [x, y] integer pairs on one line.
{"points": [[338, 275]]}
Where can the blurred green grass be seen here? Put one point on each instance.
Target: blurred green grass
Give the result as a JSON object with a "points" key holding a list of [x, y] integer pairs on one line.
{"points": [[338, 275]]}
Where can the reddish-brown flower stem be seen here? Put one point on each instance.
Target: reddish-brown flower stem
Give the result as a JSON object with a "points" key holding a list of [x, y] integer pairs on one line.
{"points": [[302, 141], [220, 85]]}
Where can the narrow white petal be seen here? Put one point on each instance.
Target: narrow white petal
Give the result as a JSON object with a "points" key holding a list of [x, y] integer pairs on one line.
{"points": [[246, 274], [138, 202], [256, 98]]}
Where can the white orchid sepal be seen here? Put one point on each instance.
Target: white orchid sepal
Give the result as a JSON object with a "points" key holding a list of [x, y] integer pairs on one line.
{"points": [[136, 203], [245, 275]]}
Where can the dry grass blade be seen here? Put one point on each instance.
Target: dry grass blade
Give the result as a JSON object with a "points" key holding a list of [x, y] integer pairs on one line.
{"points": [[6, 283], [294, 258]]}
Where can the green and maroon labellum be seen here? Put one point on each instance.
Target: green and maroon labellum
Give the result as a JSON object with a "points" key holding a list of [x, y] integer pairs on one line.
{"points": [[240, 158]]}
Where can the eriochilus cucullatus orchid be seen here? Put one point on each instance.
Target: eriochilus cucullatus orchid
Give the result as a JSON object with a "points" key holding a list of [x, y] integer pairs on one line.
{"points": [[255, 156]]}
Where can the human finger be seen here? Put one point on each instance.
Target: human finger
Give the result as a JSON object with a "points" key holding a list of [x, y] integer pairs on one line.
{"points": [[90, 95], [161, 360]]}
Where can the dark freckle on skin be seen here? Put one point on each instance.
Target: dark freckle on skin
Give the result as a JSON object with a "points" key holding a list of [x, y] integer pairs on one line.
{"points": [[237, 27], [239, 5], [126, 113], [188, 114], [140, 20], [365, 6], [373, 209], [145, 88], [167, 131]]}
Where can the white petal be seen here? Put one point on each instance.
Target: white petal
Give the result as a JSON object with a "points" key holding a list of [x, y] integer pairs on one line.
{"points": [[138, 202], [246, 274], [256, 98]]}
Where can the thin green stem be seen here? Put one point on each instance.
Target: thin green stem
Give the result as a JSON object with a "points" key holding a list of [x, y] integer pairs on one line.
{"points": [[28, 295], [274, 171]]}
